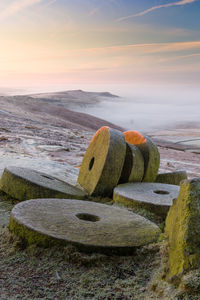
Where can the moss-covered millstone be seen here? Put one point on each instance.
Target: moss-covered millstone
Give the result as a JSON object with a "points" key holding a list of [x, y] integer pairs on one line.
{"points": [[171, 177], [155, 197], [149, 151], [133, 169], [103, 162], [88, 225], [23, 184], [183, 230]]}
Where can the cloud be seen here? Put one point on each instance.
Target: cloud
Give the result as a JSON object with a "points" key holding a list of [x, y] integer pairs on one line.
{"points": [[141, 49], [50, 3], [93, 11], [144, 12], [16, 6]]}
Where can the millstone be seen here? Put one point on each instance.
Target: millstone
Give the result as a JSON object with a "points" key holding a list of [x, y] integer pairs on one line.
{"points": [[155, 197], [171, 177], [88, 225], [133, 169], [103, 162], [24, 184], [183, 231], [149, 151]]}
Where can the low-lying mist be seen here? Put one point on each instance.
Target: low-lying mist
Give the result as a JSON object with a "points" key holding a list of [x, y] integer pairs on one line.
{"points": [[151, 108], [141, 107]]}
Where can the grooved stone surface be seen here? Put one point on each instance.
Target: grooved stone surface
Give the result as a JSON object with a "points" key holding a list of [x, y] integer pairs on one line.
{"points": [[24, 184], [133, 169], [151, 160], [150, 154], [103, 162], [156, 197], [89, 225]]}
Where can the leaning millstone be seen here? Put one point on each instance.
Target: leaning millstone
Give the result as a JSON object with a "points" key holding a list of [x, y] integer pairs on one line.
{"points": [[103, 162], [155, 197], [88, 225], [171, 177], [133, 169], [23, 184], [149, 151], [183, 230]]}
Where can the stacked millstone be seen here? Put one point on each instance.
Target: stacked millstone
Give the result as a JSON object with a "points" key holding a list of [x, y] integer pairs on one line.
{"points": [[114, 158], [124, 165]]}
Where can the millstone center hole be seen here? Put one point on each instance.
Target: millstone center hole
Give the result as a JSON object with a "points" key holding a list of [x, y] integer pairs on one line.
{"points": [[91, 164], [88, 217], [48, 177], [160, 192]]}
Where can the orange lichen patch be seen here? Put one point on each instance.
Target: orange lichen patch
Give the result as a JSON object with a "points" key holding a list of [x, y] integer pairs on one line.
{"points": [[134, 137], [98, 131]]}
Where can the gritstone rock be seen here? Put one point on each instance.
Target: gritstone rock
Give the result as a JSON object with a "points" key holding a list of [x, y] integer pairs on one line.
{"points": [[88, 225], [103, 162], [155, 197], [133, 169], [171, 177], [149, 151], [24, 184], [183, 230]]}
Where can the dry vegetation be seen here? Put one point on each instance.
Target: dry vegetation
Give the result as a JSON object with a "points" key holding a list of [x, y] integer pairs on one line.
{"points": [[65, 273]]}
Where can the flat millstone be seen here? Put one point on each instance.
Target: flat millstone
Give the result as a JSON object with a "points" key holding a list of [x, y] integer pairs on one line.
{"points": [[23, 184], [88, 225], [155, 197], [103, 162]]}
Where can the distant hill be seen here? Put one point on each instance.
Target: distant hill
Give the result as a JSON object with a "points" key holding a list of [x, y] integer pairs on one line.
{"points": [[74, 98], [53, 109]]}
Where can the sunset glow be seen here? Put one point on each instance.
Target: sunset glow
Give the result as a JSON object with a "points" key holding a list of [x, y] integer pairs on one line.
{"points": [[115, 41]]}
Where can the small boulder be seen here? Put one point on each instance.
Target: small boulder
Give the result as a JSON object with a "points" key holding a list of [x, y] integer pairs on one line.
{"points": [[171, 177]]}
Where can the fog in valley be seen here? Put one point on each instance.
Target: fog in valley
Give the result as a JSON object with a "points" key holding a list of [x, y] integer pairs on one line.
{"points": [[149, 108], [138, 107]]}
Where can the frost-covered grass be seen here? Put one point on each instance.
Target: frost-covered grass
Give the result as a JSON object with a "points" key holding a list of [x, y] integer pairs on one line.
{"points": [[65, 273]]}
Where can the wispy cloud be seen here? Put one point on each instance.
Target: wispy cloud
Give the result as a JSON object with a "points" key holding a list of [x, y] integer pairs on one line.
{"points": [[50, 3], [94, 11], [16, 6], [150, 48], [146, 11]]}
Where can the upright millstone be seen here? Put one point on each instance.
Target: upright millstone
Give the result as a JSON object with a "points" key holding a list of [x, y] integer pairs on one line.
{"points": [[23, 184], [183, 230], [103, 162], [133, 169], [149, 151]]}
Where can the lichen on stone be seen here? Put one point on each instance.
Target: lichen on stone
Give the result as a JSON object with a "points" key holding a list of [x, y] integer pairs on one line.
{"points": [[183, 230], [172, 177]]}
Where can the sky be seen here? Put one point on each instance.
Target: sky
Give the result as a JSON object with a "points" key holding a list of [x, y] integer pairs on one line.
{"points": [[59, 42]]}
